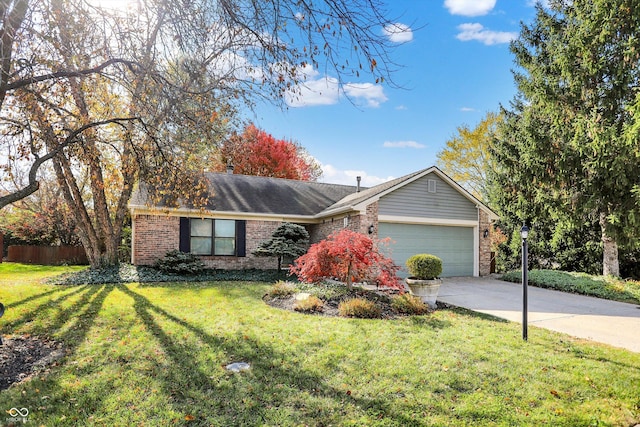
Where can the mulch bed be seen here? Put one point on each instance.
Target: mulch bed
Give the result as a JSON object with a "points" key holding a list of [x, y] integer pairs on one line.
{"points": [[23, 356], [381, 298]]}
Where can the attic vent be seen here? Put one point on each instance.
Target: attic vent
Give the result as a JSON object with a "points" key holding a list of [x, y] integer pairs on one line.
{"points": [[432, 186]]}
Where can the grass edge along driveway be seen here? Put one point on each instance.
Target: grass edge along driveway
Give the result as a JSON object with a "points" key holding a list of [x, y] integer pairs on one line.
{"points": [[154, 354]]}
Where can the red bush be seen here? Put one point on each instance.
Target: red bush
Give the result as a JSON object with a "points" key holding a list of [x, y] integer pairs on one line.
{"points": [[347, 256]]}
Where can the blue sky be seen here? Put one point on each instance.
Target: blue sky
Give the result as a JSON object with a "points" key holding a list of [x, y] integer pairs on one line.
{"points": [[456, 67]]}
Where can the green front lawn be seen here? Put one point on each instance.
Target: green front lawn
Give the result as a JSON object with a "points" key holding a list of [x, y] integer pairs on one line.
{"points": [[154, 355], [610, 288]]}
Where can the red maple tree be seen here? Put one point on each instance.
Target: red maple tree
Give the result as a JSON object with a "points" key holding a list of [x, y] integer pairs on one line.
{"points": [[347, 256], [256, 152]]}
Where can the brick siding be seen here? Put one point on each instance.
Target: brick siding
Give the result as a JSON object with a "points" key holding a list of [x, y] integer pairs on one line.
{"points": [[484, 223], [357, 223], [155, 235]]}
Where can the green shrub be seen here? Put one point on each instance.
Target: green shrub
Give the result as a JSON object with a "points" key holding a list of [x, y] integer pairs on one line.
{"points": [[180, 263], [312, 304], [361, 308], [424, 266], [409, 304], [282, 289]]}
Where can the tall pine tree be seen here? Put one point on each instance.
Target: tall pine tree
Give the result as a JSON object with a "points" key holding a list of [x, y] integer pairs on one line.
{"points": [[566, 152]]}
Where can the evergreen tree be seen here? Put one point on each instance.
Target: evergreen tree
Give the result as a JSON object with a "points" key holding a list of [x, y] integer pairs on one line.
{"points": [[288, 240], [565, 155]]}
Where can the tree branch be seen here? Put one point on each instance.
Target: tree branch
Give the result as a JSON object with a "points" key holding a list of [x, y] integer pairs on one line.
{"points": [[33, 185], [69, 73]]}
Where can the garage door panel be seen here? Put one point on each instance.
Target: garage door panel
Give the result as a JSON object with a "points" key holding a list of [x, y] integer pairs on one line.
{"points": [[454, 245]]}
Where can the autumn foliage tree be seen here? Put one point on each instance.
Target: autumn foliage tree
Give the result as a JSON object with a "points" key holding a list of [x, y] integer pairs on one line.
{"points": [[347, 256], [466, 156], [256, 152], [145, 93]]}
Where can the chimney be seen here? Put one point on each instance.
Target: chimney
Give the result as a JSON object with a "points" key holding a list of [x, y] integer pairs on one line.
{"points": [[358, 178], [230, 169]]}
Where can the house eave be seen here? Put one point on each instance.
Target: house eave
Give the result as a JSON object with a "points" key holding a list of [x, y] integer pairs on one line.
{"points": [[334, 212], [203, 213]]}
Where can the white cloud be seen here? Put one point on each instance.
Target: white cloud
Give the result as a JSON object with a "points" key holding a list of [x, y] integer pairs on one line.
{"points": [[467, 109], [475, 31], [469, 7], [398, 33], [348, 177], [327, 91], [403, 144], [372, 94], [323, 91], [402, 108]]}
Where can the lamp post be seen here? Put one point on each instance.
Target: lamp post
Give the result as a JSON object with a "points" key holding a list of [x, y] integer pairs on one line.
{"points": [[524, 233]]}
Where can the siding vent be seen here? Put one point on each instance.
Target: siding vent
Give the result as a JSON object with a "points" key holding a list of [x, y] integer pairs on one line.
{"points": [[432, 186]]}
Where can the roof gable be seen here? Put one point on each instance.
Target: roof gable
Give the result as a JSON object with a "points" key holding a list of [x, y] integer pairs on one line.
{"points": [[358, 201]]}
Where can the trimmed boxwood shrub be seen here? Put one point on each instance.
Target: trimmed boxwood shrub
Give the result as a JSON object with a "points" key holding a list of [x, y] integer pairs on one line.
{"points": [[424, 266]]}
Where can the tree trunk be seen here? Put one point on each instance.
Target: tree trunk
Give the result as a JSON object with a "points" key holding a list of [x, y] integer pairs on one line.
{"points": [[349, 283], [610, 264]]}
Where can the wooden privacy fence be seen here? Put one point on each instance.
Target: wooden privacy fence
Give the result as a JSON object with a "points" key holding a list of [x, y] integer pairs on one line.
{"points": [[47, 255]]}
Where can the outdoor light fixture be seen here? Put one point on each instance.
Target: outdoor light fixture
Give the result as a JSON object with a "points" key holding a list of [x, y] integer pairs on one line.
{"points": [[524, 233], [371, 229], [485, 234]]}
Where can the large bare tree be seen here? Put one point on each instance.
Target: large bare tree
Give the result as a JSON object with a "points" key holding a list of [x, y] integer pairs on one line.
{"points": [[143, 93]]}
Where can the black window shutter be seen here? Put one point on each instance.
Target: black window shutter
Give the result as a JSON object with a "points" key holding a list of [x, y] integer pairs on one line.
{"points": [[241, 238], [185, 235]]}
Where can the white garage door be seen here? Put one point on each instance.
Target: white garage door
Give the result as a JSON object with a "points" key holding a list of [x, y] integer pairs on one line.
{"points": [[454, 245]]}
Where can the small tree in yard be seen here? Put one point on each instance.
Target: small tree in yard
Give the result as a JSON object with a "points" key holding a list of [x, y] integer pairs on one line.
{"points": [[347, 256], [288, 240]]}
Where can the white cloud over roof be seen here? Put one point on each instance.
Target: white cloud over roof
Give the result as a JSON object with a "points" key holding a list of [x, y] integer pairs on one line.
{"points": [[469, 7], [398, 32], [477, 32], [403, 144]]}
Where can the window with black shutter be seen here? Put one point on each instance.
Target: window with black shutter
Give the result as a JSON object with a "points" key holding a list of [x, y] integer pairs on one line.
{"points": [[204, 236]]}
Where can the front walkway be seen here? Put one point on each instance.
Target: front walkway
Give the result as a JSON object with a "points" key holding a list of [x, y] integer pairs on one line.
{"points": [[609, 322]]}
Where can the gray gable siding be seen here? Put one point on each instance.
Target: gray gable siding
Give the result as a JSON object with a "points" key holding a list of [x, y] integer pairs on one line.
{"points": [[415, 200]]}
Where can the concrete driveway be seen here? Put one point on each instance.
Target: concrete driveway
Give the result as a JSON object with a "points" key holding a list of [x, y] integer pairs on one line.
{"points": [[608, 322]]}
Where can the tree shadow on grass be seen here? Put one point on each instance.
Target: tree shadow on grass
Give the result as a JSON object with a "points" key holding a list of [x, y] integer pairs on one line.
{"points": [[69, 326], [276, 390], [40, 309], [35, 297]]}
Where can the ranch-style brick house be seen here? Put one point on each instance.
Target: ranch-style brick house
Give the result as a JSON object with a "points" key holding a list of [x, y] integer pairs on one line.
{"points": [[423, 212]]}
